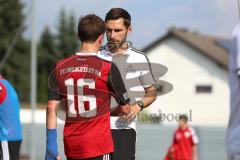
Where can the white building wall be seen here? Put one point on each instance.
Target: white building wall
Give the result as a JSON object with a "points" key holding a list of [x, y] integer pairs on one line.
{"points": [[186, 69]]}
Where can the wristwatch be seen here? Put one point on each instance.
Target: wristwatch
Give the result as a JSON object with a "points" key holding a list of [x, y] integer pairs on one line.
{"points": [[141, 104]]}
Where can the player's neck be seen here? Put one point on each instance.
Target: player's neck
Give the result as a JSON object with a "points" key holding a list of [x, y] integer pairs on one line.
{"points": [[120, 51], [89, 48], [184, 127]]}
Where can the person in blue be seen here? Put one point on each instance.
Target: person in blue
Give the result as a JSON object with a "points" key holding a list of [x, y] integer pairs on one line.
{"points": [[10, 127]]}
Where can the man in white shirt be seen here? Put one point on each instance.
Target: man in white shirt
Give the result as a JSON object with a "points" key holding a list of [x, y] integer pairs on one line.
{"points": [[233, 132], [136, 73]]}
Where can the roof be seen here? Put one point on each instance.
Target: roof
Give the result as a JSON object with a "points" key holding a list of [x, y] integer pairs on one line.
{"points": [[207, 45]]}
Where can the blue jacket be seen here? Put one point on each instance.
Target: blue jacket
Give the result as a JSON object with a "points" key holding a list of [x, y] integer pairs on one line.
{"points": [[10, 127]]}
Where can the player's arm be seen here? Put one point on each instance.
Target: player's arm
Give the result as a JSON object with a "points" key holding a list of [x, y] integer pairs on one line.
{"points": [[52, 114], [195, 141], [174, 143], [52, 149], [195, 154], [149, 96], [51, 121], [148, 82], [116, 85]]}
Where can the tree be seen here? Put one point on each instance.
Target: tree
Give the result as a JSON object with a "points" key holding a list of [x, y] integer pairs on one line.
{"points": [[55, 47], [46, 59], [16, 68], [67, 37], [72, 38]]}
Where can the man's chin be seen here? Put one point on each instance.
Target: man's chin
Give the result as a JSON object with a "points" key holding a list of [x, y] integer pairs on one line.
{"points": [[113, 46]]}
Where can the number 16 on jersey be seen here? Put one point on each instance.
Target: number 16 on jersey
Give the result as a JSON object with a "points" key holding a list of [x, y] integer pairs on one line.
{"points": [[81, 98]]}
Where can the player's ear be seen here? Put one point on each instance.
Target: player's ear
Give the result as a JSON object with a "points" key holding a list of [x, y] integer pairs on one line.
{"points": [[78, 38], [100, 39], [129, 30]]}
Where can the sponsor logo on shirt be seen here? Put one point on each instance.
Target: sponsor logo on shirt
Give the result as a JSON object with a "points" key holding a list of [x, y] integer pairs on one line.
{"points": [[80, 69], [129, 69]]}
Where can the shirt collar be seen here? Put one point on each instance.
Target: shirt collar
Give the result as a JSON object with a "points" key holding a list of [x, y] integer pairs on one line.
{"points": [[86, 54]]}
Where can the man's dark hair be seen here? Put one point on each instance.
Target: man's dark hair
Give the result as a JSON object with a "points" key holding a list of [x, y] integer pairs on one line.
{"points": [[183, 117], [116, 13], [90, 27]]}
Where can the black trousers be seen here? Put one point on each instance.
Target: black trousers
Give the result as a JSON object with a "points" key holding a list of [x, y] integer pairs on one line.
{"points": [[124, 144], [10, 150]]}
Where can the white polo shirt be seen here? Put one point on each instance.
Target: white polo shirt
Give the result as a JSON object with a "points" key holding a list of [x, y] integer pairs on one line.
{"points": [[136, 73]]}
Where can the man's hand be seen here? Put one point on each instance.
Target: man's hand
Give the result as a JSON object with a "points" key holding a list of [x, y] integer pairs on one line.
{"points": [[127, 112], [135, 109], [172, 149], [48, 157], [121, 110]]}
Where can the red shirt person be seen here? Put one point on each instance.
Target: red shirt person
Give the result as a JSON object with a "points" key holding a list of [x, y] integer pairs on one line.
{"points": [[185, 140]]}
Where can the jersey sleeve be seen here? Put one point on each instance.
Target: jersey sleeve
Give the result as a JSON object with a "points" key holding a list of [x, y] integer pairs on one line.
{"points": [[194, 137], [146, 76], [116, 85], [53, 89]]}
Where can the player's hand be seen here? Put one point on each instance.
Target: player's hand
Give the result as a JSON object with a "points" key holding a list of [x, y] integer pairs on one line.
{"points": [[172, 149], [50, 157], [121, 110], [125, 110], [135, 109]]}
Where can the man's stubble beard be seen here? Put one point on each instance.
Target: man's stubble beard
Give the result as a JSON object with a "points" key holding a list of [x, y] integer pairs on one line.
{"points": [[114, 46]]}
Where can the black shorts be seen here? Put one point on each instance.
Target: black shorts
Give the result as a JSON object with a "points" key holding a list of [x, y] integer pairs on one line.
{"points": [[9, 150], [104, 157], [124, 144]]}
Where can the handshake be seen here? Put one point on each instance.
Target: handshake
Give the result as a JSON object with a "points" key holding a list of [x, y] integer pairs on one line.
{"points": [[126, 112]]}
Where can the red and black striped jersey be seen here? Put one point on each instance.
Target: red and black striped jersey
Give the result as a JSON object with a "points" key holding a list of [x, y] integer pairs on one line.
{"points": [[84, 83]]}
